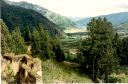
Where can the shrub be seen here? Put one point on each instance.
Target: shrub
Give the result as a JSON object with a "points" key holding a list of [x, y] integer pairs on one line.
{"points": [[111, 79]]}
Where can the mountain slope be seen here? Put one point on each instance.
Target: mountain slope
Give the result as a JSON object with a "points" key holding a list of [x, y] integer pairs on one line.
{"points": [[115, 18], [122, 26], [122, 29], [55, 18], [13, 16]]}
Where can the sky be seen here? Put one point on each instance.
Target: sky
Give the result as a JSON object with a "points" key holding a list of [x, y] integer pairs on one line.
{"points": [[82, 8]]}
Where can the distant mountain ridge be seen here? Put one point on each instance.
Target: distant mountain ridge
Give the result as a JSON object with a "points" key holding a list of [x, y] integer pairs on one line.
{"points": [[55, 18], [122, 26], [115, 18], [14, 15]]}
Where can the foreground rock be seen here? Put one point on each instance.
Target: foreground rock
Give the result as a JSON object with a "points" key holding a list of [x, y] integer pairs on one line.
{"points": [[20, 69]]}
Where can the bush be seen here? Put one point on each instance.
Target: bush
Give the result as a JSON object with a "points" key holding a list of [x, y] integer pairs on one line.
{"points": [[126, 70], [111, 79], [68, 58]]}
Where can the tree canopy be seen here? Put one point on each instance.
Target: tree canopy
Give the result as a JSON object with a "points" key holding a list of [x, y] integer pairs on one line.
{"points": [[98, 52]]}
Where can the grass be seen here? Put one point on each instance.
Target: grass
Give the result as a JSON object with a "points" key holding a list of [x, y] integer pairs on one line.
{"points": [[54, 72], [122, 77], [125, 79], [7, 74]]}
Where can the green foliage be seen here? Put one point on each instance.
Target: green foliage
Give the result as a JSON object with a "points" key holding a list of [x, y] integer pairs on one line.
{"points": [[98, 52], [58, 51], [18, 16], [11, 42], [18, 42], [117, 45], [80, 58], [41, 43], [121, 47], [44, 46], [68, 56], [57, 72], [124, 56], [62, 21], [6, 38], [27, 34], [111, 79], [59, 54]]}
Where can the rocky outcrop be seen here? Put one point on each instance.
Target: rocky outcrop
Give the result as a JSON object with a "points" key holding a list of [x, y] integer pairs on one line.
{"points": [[21, 69]]}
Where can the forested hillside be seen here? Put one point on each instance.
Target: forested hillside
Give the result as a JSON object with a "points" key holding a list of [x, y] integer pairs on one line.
{"points": [[17, 16], [61, 21]]}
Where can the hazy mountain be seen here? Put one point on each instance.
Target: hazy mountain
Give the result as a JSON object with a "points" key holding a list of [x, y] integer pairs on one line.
{"points": [[75, 19], [115, 18], [55, 18]]}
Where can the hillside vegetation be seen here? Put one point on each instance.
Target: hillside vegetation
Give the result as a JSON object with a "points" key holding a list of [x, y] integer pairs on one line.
{"points": [[17, 16], [55, 72], [59, 20]]}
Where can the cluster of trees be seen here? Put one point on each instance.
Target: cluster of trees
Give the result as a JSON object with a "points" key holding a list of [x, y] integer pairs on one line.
{"points": [[43, 45], [11, 42], [103, 51]]}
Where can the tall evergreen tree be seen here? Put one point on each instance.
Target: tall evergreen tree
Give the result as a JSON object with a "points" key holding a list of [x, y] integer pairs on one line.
{"points": [[6, 39], [119, 48], [19, 46], [41, 43], [99, 53], [27, 34], [57, 49], [124, 55]]}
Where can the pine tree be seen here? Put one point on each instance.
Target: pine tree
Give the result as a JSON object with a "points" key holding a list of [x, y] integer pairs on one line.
{"points": [[57, 49], [6, 39], [99, 53], [118, 46], [19, 46], [27, 34], [124, 54], [41, 43]]}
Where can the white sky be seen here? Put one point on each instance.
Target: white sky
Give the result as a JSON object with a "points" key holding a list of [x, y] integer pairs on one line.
{"points": [[82, 8]]}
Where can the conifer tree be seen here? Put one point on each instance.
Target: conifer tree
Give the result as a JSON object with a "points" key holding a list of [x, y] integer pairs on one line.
{"points": [[41, 43], [19, 46], [57, 49], [99, 53], [6, 39], [124, 55], [27, 34], [118, 46]]}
